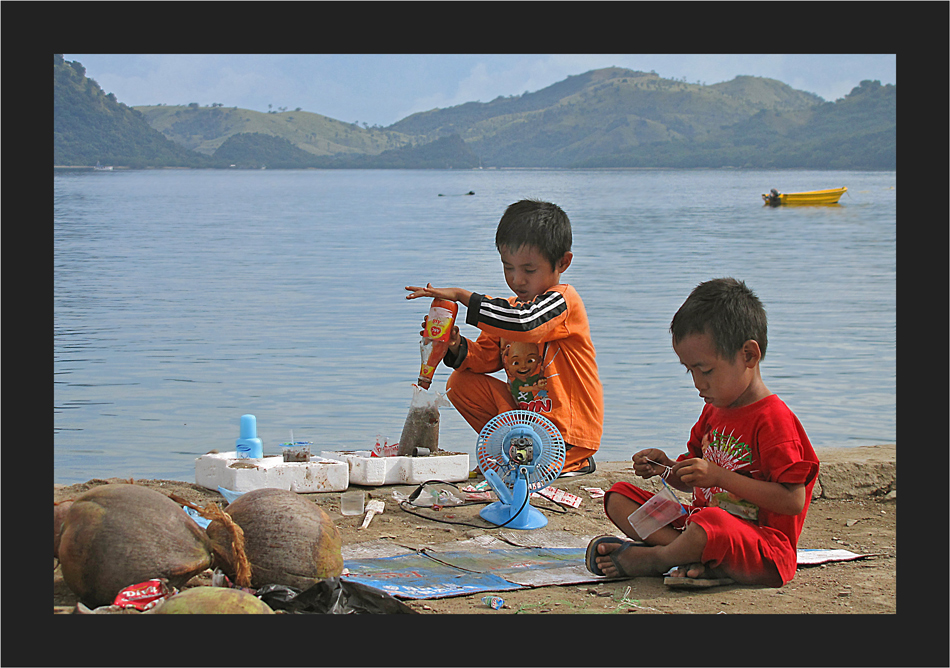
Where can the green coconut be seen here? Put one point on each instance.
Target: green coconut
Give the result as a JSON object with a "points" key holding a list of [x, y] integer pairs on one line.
{"points": [[118, 535], [287, 540], [213, 601]]}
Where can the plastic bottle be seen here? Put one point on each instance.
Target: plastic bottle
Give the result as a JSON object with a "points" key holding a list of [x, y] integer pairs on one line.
{"points": [[494, 602], [249, 446], [435, 340]]}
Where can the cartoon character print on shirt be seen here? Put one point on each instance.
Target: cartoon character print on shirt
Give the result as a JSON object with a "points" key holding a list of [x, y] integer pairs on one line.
{"points": [[524, 364], [730, 453]]}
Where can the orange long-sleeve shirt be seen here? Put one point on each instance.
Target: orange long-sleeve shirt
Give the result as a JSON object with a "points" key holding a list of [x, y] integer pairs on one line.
{"points": [[546, 350]]}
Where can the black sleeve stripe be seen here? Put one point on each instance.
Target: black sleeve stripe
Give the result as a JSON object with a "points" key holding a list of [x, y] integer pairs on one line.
{"points": [[522, 318], [471, 311]]}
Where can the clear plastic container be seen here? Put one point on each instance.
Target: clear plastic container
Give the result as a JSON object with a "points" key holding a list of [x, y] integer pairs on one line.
{"points": [[351, 503], [298, 451], [662, 508]]}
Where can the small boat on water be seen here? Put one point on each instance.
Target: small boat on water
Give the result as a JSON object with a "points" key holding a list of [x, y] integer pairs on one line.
{"points": [[100, 168], [831, 196]]}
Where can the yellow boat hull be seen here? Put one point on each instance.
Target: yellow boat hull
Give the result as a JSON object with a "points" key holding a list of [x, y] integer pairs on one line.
{"points": [[830, 196]]}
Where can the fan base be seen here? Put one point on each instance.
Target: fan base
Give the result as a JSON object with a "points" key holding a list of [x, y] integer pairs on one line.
{"points": [[499, 513]]}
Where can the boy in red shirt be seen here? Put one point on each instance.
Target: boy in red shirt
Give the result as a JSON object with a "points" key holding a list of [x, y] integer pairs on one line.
{"points": [[749, 465], [540, 337]]}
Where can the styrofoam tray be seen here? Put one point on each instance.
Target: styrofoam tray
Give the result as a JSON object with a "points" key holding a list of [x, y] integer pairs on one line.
{"points": [[224, 469], [368, 470]]}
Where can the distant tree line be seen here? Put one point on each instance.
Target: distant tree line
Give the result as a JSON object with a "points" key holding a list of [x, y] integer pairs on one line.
{"points": [[90, 126], [255, 150], [604, 118]]}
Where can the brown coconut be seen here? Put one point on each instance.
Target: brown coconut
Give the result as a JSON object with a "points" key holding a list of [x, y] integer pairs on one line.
{"points": [[59, 514], [117, 535], [213, 601], [287, 540]]}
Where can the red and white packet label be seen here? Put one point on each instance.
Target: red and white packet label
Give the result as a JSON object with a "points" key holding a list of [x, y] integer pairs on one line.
{"points": [[560, 496], [144, 595], [384, 448]]}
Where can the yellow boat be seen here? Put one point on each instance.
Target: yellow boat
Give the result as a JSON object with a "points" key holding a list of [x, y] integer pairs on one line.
{"points": [[775, 198]]}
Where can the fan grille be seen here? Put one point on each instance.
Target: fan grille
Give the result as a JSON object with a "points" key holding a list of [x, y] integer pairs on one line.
{"points": [[544, 469]]}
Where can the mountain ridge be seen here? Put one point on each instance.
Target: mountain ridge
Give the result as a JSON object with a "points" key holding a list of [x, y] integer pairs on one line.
{"points": [[611, 117]]}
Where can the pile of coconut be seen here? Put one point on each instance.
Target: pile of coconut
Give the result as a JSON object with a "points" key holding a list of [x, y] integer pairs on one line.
{"points": [[119, 535]]}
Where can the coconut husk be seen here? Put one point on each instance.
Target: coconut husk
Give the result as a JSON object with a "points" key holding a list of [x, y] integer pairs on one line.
{"points": [[236, 557], [213, 601], [288, 540], [59, 514], [118, 535]]}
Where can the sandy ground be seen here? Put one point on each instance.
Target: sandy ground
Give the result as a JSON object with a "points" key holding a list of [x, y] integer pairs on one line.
{"points": [[854, 507]]}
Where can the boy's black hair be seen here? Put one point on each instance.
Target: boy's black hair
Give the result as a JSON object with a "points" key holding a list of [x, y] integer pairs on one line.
{"points": [[727, 310], [531, 222]]}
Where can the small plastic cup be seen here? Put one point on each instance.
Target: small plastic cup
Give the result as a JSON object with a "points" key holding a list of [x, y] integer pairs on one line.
{"points": [[662, 508], [351, 503], [298, 451]]}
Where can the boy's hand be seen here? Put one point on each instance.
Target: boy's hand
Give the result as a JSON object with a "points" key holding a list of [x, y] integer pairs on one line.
{"points": [[455, 338], [452, 294], [650, 462], [698, 472]]}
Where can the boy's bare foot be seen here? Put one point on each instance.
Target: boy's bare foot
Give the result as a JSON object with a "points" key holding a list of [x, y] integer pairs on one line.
{"points": [[698, 571], [691, 571], [696, 576], [631, 560]]}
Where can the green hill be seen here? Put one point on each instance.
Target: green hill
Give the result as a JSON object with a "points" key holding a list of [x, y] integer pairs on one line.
{"points": [[90, 126], [204, 129], [621, 118], [443, 153], [612, 117], [589, 116], [252, 150], [857, 132]]}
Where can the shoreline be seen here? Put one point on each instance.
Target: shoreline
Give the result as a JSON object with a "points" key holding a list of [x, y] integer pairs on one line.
{"points": [[854, 507], [845, 472]]}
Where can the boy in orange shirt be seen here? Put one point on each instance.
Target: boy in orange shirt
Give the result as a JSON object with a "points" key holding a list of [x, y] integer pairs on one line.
{"points": [[541, 337]]}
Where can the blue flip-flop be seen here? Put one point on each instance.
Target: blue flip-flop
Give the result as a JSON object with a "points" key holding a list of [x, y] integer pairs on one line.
{"points": [[592, 553]]}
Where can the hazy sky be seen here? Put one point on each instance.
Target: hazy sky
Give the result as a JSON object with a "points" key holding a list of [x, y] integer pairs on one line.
{"points": [[380, 89]]}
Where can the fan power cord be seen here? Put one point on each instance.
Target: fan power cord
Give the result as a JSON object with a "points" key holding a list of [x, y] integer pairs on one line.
{"points": [[524, 504], [559, 508], [406, 504]]}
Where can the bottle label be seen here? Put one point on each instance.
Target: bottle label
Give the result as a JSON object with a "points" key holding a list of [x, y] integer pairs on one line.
{"points": [[439, 323]]}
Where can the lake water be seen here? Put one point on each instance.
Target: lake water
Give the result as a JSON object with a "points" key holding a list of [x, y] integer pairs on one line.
{"points": [[186, 298]]}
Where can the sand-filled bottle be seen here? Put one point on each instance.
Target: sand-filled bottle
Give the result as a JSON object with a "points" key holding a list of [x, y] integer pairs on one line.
{"points": [[435, 339]]}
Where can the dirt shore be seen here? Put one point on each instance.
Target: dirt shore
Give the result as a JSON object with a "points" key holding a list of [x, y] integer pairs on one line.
{"points": [[854, 507]]}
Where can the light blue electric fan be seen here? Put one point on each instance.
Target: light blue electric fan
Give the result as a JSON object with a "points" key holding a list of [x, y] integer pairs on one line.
{"points": [[518, 452]]}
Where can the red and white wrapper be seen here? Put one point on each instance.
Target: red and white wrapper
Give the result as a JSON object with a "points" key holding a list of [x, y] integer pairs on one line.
{"points": [[144, 595], [384, 449], [560, 496]]}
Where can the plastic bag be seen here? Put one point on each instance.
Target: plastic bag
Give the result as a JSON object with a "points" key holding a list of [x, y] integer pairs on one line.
{"points": [[333, 596], [421, 429]]}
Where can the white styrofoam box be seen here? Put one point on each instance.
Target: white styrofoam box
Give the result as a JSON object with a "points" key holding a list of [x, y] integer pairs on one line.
{"points": [[368, 470], [224, 469]]}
